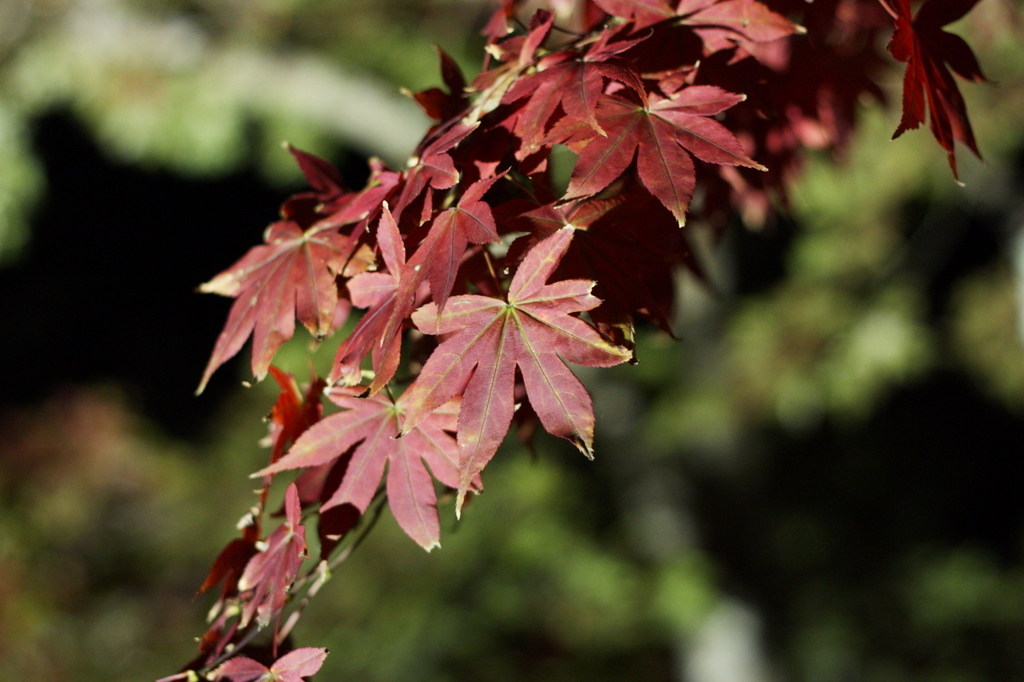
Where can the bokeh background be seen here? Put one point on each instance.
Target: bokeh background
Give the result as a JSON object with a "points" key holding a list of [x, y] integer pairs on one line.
{"points": [[820, 482]]}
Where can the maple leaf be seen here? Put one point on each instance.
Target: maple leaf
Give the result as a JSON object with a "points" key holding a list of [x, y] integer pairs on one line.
{"points": [[433, 166], [573, 80], [390, 297], [328, 189], [642, 12], [723, 24], [498, 25], [293, 274], [375, 423], [230, 564], [516, 53], [362, 207], [334, 524], [469, 221], [928, 50], [629, 248], [293, 412], [537, 34], [662, 136], [292, 667], [270, 573], [532, 330], [440, 105], [522, 48]]}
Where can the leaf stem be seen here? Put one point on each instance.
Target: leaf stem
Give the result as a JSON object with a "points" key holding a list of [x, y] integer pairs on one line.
{"points": [[242, 643], [376, 507], [490, 268]]}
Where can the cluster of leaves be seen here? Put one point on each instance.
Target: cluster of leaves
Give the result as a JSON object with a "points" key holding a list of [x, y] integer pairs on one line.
{"points": [[677, 110]]}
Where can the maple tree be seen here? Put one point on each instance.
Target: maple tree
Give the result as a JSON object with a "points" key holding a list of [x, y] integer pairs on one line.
{"points": [[678, 112]]}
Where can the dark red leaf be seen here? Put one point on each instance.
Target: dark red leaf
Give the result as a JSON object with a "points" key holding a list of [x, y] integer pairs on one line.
{"points": [[433, 167], [390, 297], [540, 28], [329, 192], [498, 26], [928, 50], [642, 12], [324, 178], [629, 248], [661, 136], [229, 565], [723, 24], [573, 80], [333, 524], [440, 105], [469, 222]]}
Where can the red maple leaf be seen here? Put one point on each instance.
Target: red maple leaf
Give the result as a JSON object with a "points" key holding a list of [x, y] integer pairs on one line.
{"points": [[747, 18], [374, 423], [292, 667], [292, 275], [270, 573], [662, 136], [293, 412], [721, 25], [470, 221], [532, 330], [433, 166], [928, 51], [642, 12], [630, 249], [522, 49], [440, 105], [575, 81], [515, 54], [365, 205], [231, 562], [328, 189], [390, 297], [498, 25]]}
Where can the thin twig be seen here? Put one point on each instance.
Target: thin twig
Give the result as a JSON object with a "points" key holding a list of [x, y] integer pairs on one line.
{"points": [[379, 500], [242, 643]]}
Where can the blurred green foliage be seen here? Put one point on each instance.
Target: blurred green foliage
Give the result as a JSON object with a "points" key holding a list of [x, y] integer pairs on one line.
{"points": [[750, 515], [202, 87]]}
